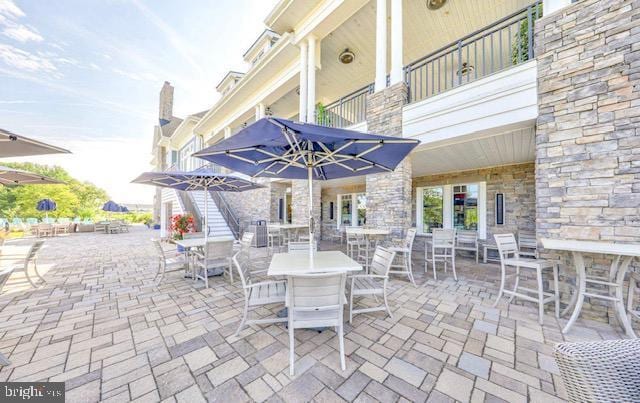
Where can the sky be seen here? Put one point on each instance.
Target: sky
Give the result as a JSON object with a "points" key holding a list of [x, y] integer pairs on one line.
{"points": [[85, 75]]}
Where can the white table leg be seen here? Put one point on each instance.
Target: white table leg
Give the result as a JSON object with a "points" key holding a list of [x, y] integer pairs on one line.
{"points": [[581, 285], [619, 304]]}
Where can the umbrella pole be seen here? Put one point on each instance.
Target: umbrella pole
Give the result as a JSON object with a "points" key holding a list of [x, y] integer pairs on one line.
{"points": [[311, 223], [206, 230]]}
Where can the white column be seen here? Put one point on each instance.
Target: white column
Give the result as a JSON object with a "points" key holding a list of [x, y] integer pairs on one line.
{"points": [[311, 78], [381, 45], [551, 6], [227, 132], [260, 111], [396, 41], [304, 54]]}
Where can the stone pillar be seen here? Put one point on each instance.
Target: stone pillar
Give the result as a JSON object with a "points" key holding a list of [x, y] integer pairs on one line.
{"points": [[381, 45], [300, 203], [304, 54], [389, 194], [587, 133]]}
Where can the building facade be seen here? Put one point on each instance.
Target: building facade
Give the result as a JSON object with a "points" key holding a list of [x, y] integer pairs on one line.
{"points": [[527, 114]]}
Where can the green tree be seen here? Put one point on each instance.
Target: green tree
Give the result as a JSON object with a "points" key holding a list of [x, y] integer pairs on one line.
{"points": [[73, 198]]}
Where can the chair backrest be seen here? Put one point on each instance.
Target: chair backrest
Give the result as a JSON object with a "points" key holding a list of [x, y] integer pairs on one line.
{"points": [[158, 246], [219, 249], [527, 239], [245, 244], [316, 300], [44, 226], [272, 228], [301, 247], [241, 263], [409, 238], [444, 237], [381, 262], [507, 245], [33, 252], [467, 237], [191, 235]]}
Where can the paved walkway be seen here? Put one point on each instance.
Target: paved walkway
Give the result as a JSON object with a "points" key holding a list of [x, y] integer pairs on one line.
{"points": [[104, 328]]}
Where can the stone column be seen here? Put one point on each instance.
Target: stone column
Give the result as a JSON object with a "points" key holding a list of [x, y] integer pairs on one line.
{"points": [[389, 194], [300, 203], [587, 135]]}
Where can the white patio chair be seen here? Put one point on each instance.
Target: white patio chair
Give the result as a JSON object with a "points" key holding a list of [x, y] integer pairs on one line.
{"points": [[316, 301], [101, 226], [600, 371], [191, 235], [218, 255], [510, 257], [257, 293], [354, 243], [4, 276], [23, 263], [275, 237], [373, 284], [467, 240], [44, 229], [528, 244], [166, 264], [301, 247], [113, 227], [443, 249], [633, 309], [404, 249]]}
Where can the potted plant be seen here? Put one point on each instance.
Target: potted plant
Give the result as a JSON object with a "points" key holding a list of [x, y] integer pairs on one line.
{"points": [[181, 224]]}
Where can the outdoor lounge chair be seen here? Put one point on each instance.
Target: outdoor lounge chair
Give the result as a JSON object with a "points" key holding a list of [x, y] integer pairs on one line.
{"points": [[443, 249], [218, 255], [166, 264], [467, 240], [510, 257], [373, 284], [257, 293], [313, 301], [23, 263]]}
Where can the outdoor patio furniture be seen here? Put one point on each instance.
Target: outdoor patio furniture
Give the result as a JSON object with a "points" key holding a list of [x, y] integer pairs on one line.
{"points": [[600, 371], [166, 264], [633, 309], [486, 256], [5, 273], [403, 250], [333, 233], [510, 257], [467, 240], [443, 249], [23, 263], [87, 227], [609, 288], [257, 294], [113, 227], [44, 229], [275, 237], [218, 255], [374, 283], [528, 244], [354, 243], [101, 226], [295, 247], [316, 301], [368, 238]]}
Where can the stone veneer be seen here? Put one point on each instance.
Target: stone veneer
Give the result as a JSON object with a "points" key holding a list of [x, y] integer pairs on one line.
{"points": [[300, 203], [588, 133], [251, 205], [389, 194], [516, 182]]}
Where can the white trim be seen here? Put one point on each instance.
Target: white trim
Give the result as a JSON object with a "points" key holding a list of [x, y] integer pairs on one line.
{"points": [[354, 209]]}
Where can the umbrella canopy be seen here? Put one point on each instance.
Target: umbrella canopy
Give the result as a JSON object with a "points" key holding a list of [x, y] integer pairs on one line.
{"points": [[281, 148], [111, 206], [13, 145], [124, 209], [14, 177], [46, 205]]}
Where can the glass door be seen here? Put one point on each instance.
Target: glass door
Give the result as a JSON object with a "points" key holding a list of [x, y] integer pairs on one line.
{"points": [[465, 207], [432, 208]]}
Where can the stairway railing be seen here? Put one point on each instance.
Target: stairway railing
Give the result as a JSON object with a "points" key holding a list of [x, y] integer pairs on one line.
{"points": [[232, 221], [189, 205]]}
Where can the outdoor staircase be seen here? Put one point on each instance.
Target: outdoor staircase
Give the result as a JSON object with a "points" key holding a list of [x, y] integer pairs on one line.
{"points": [[217, 224]]}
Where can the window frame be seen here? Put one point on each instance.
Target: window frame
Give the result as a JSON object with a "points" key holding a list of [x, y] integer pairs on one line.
{"points": [[354, 209]]}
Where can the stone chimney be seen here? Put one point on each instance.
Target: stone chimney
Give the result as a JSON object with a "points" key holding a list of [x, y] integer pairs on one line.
{"points": [[166, 102]]}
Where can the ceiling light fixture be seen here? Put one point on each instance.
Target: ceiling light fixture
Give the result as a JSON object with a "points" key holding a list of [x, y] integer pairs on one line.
{"points": [[346, 56], [466, 68], [435, 4]]}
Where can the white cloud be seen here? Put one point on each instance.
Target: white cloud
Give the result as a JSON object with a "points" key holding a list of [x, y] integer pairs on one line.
{"points": [[24, 61], [22, 33], [9, 9], [137, 76]]}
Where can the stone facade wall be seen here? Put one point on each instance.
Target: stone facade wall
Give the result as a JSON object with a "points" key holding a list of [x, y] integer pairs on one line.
{"points": [[389, 194], [588, 129], [300, 203], [251, 205], [516, 182], [278, 191], [330, 194]]}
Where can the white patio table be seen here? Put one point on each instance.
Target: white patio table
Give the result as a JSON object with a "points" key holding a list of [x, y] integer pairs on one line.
{"points": [[368, 233], [194, 243], [622, 255], [289, 228], [300, 263]]}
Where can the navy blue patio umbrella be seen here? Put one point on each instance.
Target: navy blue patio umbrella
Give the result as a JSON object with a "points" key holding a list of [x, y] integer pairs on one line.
{"points": [[281, 148], [203, 179], [46, 205], [124, 209], [111, 207]]}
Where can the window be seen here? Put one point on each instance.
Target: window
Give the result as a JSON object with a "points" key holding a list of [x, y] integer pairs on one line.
{"points": [[432, 208], [331, 211], [499, 208], [460, 206], [352, 209], [465, 207], [185, 161]]}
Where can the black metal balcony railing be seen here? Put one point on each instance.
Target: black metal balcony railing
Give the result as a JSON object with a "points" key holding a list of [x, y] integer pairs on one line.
{"points": [[346, 111], [503, 44]]}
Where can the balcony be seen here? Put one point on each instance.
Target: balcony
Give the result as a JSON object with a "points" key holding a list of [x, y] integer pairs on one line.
{"points": [[500, 46]]}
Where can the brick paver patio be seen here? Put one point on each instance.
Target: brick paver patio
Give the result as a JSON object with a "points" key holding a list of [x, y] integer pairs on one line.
{"points": [[105, 329]]}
